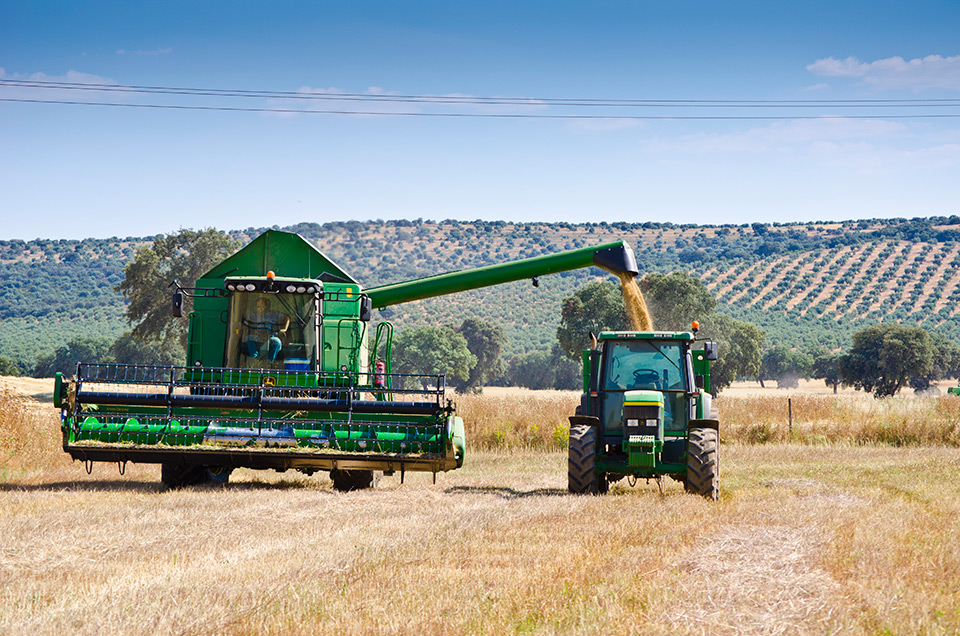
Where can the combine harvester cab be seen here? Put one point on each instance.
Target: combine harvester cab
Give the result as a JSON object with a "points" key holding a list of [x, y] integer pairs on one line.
{"points": [[280, 375]]}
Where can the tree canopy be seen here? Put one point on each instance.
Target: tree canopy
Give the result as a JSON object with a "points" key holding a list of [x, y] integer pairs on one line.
{"points": [[785, 365], [433, 350], [739, 344], [676, 300], [595, 307], [486, 341], [884, 357], [545, 370], [826, 367], [64, 359], [183, 257]]}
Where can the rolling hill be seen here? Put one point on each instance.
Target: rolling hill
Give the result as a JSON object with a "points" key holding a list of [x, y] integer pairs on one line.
{"points": [[805, 284]]}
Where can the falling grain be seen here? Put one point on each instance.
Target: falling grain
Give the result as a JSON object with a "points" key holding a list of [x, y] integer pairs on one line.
{"points": [[637, 311]]}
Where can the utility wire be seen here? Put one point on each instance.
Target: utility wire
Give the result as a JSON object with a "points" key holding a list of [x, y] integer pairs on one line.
{"points": [[467, 99], [477, 115], [769, 105]]}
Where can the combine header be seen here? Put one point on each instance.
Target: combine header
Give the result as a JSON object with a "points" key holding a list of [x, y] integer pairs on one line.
{"points": [[280, 374]]}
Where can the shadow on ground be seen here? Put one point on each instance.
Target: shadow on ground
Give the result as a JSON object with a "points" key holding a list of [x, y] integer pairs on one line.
{"points": [[505, 493], [123, 485]]}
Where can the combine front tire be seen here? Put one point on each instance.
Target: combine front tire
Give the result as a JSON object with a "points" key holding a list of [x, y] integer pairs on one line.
{"points": [[180, 475], [218, 475], [703, 466], [346, 480], [582, 477]]}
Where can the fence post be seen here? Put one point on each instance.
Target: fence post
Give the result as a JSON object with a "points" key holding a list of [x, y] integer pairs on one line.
{"points": [[790, 416]]}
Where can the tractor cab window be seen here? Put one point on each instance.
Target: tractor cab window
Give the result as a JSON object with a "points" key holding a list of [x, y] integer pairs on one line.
{"points": [[645, 364], [272, 331]]}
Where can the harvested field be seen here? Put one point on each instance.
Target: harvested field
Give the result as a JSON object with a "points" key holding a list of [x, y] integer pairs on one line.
{"points": [[806, 539]]}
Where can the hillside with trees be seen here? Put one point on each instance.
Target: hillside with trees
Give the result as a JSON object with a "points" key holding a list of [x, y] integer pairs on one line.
{"points": [[806, 285]]}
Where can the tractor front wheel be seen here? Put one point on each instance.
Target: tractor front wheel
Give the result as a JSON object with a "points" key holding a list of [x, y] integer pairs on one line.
{"points": [[347, 480], [582, 477], [703, 464]]}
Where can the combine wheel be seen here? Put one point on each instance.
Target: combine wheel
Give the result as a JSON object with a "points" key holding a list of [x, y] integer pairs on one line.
{"points": [[582, 477], [180, 475], [219, 475], [346, 480], [703, 467]]}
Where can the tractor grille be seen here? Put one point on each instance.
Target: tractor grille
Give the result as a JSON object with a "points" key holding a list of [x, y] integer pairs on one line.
{"points": [[641, 420]]}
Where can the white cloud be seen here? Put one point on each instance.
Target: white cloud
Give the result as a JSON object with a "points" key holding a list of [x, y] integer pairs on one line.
{"points": [[604, 125], [790, 136], [877, 148], [447, 103], [72, 77], [933, 71], [154, 52]]}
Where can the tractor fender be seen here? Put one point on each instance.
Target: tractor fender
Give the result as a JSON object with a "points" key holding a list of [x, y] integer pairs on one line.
{"points": [[714, 424], [584, 420]]}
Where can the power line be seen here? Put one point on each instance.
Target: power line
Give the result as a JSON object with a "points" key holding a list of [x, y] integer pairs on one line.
{"points": [[478, 115], [466, 99]]}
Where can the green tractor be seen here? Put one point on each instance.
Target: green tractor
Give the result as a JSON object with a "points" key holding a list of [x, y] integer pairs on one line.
{"points": [[646, 412]]}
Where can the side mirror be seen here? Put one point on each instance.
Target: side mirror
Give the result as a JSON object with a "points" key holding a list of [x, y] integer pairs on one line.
{"points": [[710, 350], [366, 308], [177, 304]]}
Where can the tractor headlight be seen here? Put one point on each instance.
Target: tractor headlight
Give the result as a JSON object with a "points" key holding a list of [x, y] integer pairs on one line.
{"points": [[291, 289], [251, 287], [232, 287], [301, 289]]}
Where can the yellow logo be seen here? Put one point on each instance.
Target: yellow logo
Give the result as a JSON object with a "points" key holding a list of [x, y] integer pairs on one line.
{"points": [[269, 380]]}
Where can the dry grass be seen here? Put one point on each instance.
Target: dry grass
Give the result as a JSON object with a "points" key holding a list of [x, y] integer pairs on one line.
{"points": [[500, 418], [857, 419], [807, 539], [520, 419]]}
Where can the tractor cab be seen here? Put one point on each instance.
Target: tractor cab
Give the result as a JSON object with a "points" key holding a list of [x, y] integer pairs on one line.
{"points": [[635, 364]]}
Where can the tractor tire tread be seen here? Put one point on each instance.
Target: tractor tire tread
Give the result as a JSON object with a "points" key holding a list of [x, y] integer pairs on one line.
{"points": [[582, 477], [703, 463]]}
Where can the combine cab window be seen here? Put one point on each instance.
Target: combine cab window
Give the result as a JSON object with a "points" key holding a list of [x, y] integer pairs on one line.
{"points": [[272, 331]]}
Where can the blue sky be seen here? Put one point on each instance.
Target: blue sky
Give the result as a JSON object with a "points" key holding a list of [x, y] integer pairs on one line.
{"points": [[73, 171]]}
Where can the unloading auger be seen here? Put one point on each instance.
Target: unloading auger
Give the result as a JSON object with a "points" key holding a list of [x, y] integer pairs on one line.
{"points": [[279, 374]]}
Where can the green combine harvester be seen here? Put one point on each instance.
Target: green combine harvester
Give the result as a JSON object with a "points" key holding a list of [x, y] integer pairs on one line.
{"points": [[280, 375], [646, 412]]}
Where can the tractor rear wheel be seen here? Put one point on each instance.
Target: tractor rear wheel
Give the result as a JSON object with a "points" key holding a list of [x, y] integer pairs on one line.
{"points": [[703, 464], [582, 477], [180, 475], [347, 480]]}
